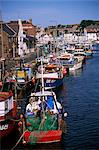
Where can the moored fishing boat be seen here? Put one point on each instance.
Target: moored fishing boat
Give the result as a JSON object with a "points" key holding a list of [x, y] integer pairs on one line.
{"points": [[71, 62], [23, 74], [77, 64], [79, 52], [97, 41], [8, 111], [44, 122], [53, 75], [88, 53], [44, 118]]}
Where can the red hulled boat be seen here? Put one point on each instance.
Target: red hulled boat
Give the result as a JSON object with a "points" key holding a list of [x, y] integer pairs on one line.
{"points": [[8, 110]]}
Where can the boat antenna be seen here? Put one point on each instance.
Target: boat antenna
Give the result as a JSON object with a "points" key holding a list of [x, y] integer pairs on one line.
{"points": [[42, 86]]}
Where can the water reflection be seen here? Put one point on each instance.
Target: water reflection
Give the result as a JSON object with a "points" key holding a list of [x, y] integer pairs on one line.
{"points": [[80, 98], [50, 146], [76, 73]]}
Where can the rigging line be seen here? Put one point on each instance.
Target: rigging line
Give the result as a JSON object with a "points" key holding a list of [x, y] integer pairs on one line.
{"points": [[55, 102], [53, 122], [19, 140], [36, 85]]}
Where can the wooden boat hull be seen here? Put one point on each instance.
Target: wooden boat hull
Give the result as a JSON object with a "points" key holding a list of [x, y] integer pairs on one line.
{"points": [[76, 66], [6, 127], [43, 136], [88, 54], [7, 124], [50, 84]]}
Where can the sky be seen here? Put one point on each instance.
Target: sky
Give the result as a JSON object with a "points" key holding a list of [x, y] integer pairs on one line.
{"points": [[50, 12]]}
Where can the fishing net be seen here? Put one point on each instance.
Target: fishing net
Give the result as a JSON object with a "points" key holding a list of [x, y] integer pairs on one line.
{"points": [[37, 125], [34, 123]]}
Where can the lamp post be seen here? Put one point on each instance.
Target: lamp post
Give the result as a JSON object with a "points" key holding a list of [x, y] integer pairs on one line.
{"points": [[13, 50], [2, 49]]}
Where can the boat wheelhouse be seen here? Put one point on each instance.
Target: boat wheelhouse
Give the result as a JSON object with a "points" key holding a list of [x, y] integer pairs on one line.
{"points": [[52, 74]]}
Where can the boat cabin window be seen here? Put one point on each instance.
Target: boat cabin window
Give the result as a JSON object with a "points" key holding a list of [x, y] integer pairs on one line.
{"points": [[6, 103], [6, 106], [21, 79], [2, 108]]}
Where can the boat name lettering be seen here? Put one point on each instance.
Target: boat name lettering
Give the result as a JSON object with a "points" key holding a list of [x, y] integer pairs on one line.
{"points": [[3, 127]]}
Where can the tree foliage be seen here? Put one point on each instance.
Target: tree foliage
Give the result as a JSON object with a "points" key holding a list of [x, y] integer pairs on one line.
{"points": [[85, 23]]}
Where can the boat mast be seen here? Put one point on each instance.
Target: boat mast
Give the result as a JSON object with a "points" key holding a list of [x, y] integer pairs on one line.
{"points": [[42, 79], [42, 86]]}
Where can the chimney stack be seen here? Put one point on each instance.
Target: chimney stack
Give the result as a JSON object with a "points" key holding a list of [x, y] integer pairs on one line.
{"points": [[30, 20]]}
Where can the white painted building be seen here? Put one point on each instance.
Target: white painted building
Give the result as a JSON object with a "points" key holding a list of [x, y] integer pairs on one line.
{"points": [[80, 38], [44, 38], [70, 37], [91, 34], [22, 47]]}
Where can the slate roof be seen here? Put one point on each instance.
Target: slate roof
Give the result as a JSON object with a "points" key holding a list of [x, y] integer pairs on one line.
{"points": [[14, 25], [96, 26], [8, 30]]}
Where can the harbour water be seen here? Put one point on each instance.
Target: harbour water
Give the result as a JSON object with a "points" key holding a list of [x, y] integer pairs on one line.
{"points": [[80, 98]]}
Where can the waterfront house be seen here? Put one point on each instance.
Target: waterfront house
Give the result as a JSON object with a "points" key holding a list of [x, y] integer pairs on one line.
{"points": [[29, 31], [92, 32], [9, 40]]}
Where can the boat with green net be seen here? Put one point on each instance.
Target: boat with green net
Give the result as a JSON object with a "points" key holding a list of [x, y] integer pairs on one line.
{"points": [[43, 119]]}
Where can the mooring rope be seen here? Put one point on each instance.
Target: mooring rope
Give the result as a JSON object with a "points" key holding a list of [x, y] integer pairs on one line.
{"points": [[19, 140]]}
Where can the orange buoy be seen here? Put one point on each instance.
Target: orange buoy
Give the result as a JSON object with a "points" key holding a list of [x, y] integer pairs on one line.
{"points": [[33, 80]]}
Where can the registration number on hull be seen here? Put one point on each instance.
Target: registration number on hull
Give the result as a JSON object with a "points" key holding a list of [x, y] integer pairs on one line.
{"points": [[3, 127]]}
